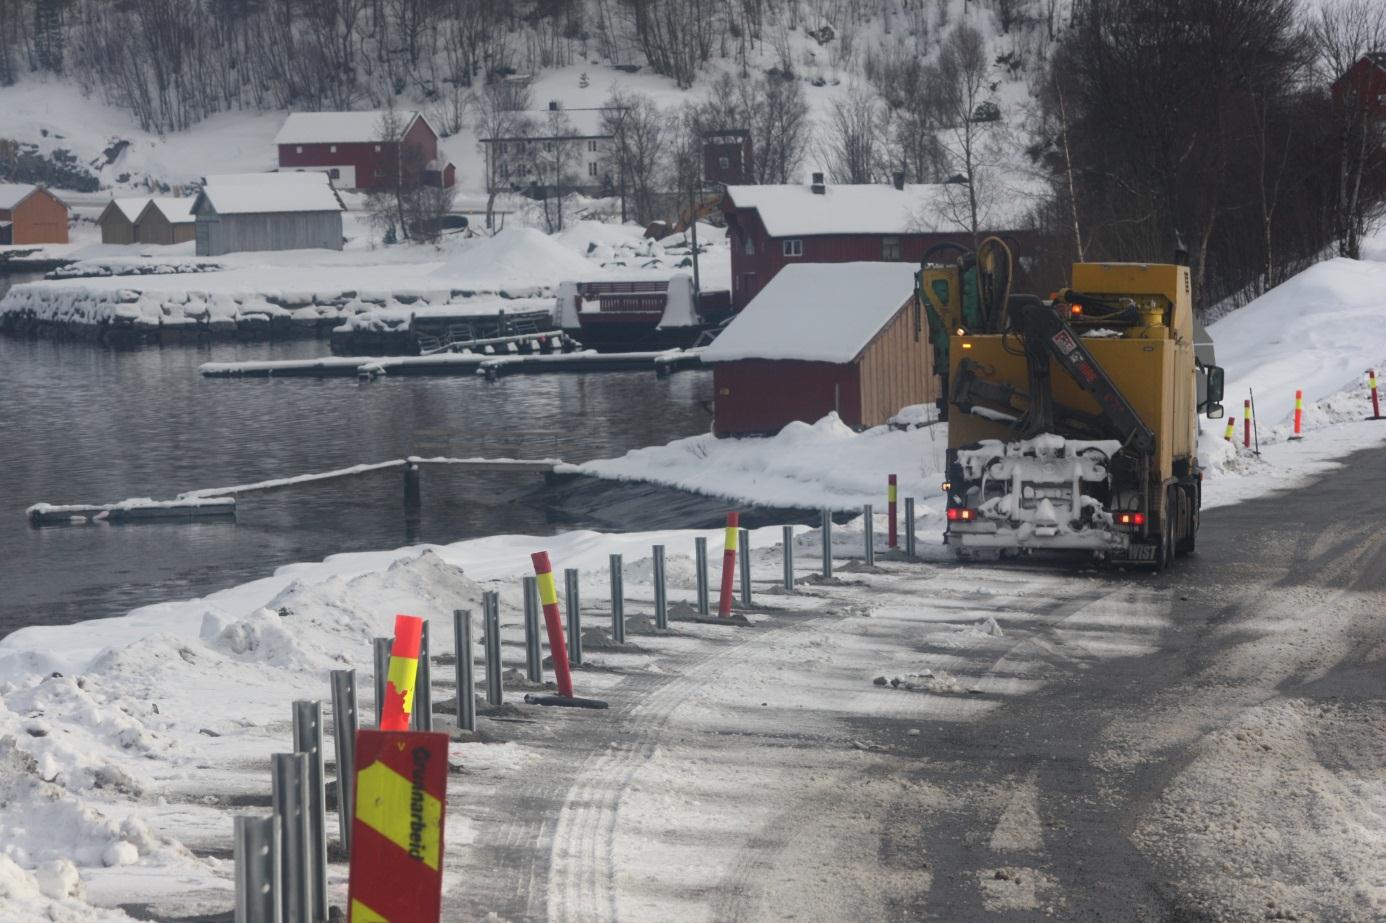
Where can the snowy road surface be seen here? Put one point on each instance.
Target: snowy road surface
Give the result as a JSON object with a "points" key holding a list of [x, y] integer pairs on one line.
{"points": [[1205, 745]]}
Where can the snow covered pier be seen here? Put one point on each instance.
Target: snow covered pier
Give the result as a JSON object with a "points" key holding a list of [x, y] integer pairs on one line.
{"points": [[491, 366], [142, 509]]}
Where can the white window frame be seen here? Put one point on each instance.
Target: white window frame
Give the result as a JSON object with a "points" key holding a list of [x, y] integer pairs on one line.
{"points": [[748, 245], [377, 149], [792, 246], [298, 149], [332, 149]]}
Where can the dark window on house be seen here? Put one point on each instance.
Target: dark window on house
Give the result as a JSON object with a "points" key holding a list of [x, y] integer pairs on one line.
{"points": [[335, 173], [379, 171], [890, 249], [793, 247], [592, 168], [548, 145], [724, 163], [592, 146]]}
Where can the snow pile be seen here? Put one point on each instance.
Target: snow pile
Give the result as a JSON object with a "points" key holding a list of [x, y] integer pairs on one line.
{"points": [[516, 258], [823, 465], [179, 260]]}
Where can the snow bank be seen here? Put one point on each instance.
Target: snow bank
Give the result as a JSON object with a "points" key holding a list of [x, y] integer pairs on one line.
{"points": [[823, 465], [516, 256]]}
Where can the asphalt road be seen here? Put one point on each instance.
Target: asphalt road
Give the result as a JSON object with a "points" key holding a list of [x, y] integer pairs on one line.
{"points": [[1120, 753]]}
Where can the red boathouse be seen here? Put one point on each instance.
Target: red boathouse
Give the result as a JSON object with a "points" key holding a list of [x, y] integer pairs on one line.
{"points": [[822, 337]]}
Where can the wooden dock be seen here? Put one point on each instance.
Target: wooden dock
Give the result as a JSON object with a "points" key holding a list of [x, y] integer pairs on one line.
{"points": [[132, 511], [491, 366]]}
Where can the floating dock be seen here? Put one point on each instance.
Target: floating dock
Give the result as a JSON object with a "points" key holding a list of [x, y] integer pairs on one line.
{"points": [[491, 366], [141, 510]]}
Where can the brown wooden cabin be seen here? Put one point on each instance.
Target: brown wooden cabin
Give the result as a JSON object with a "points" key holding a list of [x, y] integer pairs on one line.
{"points": [[31, 215]]}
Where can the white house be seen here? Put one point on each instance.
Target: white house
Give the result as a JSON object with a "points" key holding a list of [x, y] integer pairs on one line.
{"points": [[531, 150]]}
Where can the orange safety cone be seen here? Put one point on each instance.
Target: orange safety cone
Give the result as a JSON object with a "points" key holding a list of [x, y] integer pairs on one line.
{"points": [[1299, 414]]}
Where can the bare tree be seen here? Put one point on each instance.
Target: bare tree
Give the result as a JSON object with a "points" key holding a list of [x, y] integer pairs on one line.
{"points": [[855, 137], [642, 139], [963, 89], [1342, 34]]}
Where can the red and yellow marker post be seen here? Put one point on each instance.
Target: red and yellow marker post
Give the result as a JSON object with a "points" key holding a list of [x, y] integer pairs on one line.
{"points": [[1246, 429], [397, 829], [1231, 427], [404, 671], [891, 534], [724, 607], [1299, 413], [1376, 401], [553, 621]]}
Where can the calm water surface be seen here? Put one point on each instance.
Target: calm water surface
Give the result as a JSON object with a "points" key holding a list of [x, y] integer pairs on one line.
{"points": [[82, 424]]}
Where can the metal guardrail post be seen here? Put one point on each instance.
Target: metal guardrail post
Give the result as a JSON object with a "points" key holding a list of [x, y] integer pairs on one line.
{"points": [[290, 799], [744, 540], [381, 648], [421, 718], [826, 533], [258, 870], [495, 691], [661, 590], [573, 601], [618, 600], [466, 683], [700, 564], [534, 654], [344, 737], [788, 540], [869, 534], [308, 741], [909, 526]]}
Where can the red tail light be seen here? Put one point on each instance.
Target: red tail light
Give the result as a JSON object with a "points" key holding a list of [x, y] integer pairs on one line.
{"points": [[956, 514], [1131, 519]]}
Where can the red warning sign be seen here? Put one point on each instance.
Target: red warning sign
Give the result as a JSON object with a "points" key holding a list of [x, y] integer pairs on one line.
{"points": [[397, 832]]}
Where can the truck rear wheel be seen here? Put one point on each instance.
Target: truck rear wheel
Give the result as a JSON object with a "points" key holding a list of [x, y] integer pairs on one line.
{"points": [[1164, 554], [1186, 544]]}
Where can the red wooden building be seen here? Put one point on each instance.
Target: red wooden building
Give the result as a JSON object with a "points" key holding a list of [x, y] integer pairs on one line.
{"points": [[844, 337], [1364, 84], [770, 227], [347, 147]]}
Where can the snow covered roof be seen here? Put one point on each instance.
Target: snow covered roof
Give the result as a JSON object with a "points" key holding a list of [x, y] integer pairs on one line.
{"points": [[817, 312], [11, 194], [572, 123], [176, 210], [919, 208], [267, 193], [130, 208], [335, 127]]}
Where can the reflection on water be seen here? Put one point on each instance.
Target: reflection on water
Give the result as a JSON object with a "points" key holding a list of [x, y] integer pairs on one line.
{"points": [[80, 424]]}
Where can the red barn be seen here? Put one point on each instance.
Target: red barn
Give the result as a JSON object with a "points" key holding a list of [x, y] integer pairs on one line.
{"points": [[770, 227], [347, 147], [1364, 84], [844, 337]]}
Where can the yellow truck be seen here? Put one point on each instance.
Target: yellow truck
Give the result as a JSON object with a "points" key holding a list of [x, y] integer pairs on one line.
{"points": [[1072, 420]]}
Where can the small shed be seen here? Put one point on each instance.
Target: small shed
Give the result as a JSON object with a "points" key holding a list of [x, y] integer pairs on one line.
{"points": [[821, 337], [267, 211], [166, 220], [31, 215], [117, 220]]}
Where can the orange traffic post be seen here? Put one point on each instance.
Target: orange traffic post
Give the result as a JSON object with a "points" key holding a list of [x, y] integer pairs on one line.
{"points": [[397, 829], [724, 607], [892, 539], [1231, 428], [1299, 414], [1376, 401], [404, 672], [1246, 430], [558, 645]]}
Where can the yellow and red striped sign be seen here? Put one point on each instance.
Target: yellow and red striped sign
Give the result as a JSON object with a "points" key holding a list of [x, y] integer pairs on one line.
{"points": [[724, 606], [397, 830], [404, 670]]}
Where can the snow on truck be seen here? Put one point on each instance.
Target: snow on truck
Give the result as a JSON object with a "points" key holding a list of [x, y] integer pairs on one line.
{"points": [[1072, 421]]}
